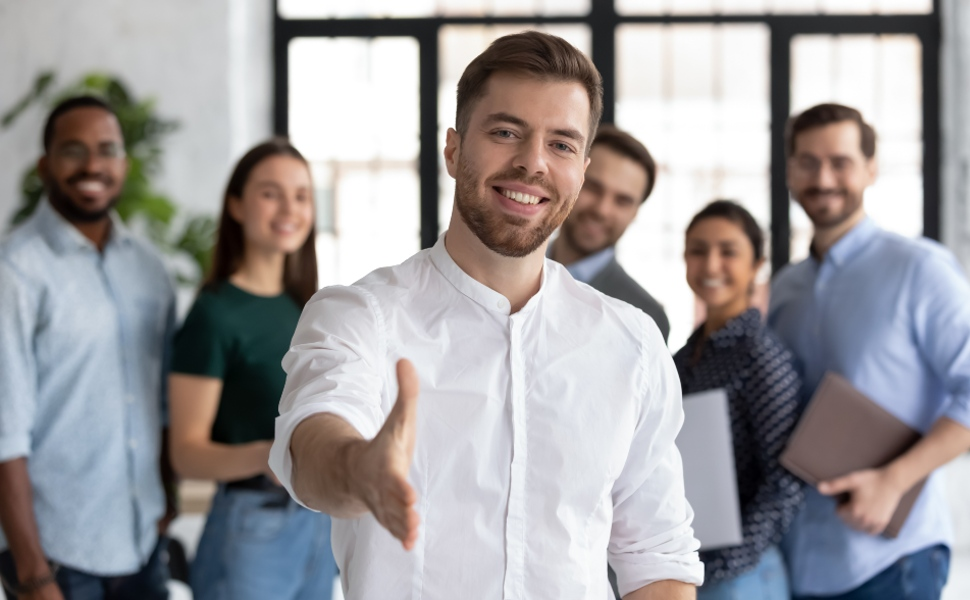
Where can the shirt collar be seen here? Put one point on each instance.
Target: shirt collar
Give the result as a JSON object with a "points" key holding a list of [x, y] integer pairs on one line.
{"points": [[851, 243], [585, 269], [478, 292], [64, 237]]}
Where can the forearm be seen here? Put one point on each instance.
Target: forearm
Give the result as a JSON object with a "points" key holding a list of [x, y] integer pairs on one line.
{"points": [[944, 442], [222, 462], [322, 448], [18, 522], [664, 590]]}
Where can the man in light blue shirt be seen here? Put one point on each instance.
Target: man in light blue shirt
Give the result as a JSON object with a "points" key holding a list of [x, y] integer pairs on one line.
{"points": [[619, 179], [892, 315], [85, 313]]}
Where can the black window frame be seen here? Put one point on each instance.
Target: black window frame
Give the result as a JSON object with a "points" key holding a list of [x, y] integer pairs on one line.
{"points": [[602, 21]]}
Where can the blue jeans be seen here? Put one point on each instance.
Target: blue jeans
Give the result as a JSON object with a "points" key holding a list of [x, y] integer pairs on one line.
{"points": [[150, 583], [767, 581], [919, 576], [262, 544]]}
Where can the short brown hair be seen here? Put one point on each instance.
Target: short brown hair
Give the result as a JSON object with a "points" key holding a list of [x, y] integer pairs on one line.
{"points": [[826, 114], [535, 53], [626, 145]]}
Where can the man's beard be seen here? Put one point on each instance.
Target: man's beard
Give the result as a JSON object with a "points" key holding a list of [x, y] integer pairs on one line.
{"points": [[71, 211], [503, 233], [820, 216], [571, 239]]}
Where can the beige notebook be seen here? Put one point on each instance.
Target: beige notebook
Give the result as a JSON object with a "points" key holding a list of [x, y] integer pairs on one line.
{"points": [[843, 431]]}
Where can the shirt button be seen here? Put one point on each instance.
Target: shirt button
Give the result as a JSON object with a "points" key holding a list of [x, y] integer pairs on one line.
{"points": [[499, 304], [133, 444]]}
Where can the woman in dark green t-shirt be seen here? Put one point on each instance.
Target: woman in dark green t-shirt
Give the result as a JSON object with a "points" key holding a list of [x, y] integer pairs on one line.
{"points": [[227, 380]]}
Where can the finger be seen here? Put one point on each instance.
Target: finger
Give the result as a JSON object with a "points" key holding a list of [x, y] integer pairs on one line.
{"points": [[837, 486], [413, 520], [404, 412], [401, 491], [401, 522]]}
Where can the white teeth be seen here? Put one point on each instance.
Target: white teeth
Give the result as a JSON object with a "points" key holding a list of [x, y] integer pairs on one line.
{"points": [[287, 228], [90, 186], [712, 282], [520, 197]]}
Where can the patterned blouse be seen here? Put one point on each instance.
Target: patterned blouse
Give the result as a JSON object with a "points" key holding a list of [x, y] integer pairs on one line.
{"points": [[763, 389]]}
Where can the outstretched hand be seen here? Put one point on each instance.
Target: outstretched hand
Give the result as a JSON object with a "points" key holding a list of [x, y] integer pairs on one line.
{"points": [[381, 466]]}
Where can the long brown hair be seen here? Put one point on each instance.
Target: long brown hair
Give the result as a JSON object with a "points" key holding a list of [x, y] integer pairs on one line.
{"points": [[299, 268]]}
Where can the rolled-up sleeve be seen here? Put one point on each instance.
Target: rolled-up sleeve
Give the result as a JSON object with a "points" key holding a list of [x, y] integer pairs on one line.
{"points": [[18, 368], [652, 538], [334, 365], [941, 316]]}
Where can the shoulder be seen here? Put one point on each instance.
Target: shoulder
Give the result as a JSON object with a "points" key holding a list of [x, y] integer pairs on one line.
{"points": [[208, 312], [791, 275], [24, 258], [767, 350], [591, 309], [24, 248], [923, 266]]}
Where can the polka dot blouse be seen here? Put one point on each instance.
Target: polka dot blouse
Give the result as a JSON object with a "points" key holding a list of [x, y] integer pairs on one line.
{"points": [[763, 389]]}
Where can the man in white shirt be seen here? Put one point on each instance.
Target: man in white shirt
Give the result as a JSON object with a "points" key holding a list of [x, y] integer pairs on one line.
{"points": [[543, 439]]}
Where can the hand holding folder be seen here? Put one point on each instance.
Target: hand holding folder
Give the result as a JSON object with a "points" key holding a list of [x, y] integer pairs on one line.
{"points": [[844, 432]]}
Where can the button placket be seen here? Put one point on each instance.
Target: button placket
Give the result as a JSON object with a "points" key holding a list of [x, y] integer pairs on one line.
{"points": [[515, 522]]}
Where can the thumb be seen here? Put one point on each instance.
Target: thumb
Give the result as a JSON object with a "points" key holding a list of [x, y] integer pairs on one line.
{"points": [[404, 413], [838, 485]]}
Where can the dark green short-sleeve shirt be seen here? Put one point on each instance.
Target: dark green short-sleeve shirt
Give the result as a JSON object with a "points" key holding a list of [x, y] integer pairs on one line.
{"points": [[239, 338]]}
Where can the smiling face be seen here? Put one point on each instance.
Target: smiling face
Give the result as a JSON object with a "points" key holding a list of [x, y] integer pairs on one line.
{"points": [[519, 167], [276, 207], [85, 167], [828, 173], [720, 265], [608, 203]]}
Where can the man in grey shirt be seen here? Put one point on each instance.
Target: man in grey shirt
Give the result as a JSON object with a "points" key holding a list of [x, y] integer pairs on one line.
{"points": [[619, 179]]}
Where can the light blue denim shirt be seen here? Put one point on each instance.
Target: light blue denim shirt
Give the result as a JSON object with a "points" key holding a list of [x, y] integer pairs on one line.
{"points": [[892, 315], [587, 268], [83, 342]]}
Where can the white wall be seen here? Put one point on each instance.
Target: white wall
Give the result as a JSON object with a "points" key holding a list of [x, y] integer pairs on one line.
{"points": [[208, 63]]}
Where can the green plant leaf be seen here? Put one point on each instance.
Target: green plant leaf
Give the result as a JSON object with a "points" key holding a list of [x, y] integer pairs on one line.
{"points": [[41, 84]]}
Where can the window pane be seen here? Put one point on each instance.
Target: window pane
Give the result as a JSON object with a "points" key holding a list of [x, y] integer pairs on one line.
{"points": [[363, 149], [458, 45], [752, 7], [881, 77], [342, 9], [697, 96]]}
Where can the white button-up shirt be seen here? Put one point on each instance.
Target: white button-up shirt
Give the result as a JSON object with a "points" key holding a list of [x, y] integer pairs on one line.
{"points": [[545, 438]]}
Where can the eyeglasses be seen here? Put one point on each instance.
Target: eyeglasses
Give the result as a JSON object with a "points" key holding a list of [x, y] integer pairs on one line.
{"points": [[76, 153]]}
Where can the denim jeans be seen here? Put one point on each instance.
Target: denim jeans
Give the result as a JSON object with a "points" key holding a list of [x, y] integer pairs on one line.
{"points": [[767, 581], [262, 544], [150, 583], [919, 576]]}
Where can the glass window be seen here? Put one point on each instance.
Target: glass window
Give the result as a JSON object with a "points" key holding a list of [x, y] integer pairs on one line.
{"points": [[458, 45], [697, 96], [881, 77], [360, 9], [353, 110], [753, 7]]}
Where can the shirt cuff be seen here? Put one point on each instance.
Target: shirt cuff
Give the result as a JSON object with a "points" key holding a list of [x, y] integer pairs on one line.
{"points": [[651, 568], [280, 458], [14, 446]]}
